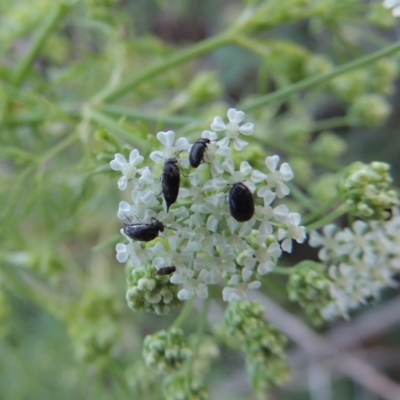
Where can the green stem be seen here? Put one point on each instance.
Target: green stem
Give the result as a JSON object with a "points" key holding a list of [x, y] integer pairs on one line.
{"points": [[309, 82], [331, 123], [281, 270], [41, 35], [204, 47], [63, 144], [113, 126], [328, 218], [319, 212], [132, 113], [201, 324], [305, 201], [186, 312]]}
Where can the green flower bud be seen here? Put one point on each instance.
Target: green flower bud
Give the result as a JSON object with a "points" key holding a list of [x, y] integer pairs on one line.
{"points": [[151, 292], [366, 190], [302, 169], [328, 146], [369, 110], [317, 65], [309, 285], [205, 87], [381, 76], [243, 318], [350, 86], [166, 351], [185, 387], [325, 187], [261, 344]]}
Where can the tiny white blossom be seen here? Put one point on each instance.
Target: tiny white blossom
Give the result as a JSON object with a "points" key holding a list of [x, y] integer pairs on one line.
{"points": [[275, 178], [128, 169], [233, 129], [293, 231], [170, 149]]}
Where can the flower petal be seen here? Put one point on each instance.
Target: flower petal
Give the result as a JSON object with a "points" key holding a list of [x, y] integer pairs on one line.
{"points": [[218, 125], [246, 129], [239, 144], [166, 138], [118, 163], [271, 162], [235, 116]]}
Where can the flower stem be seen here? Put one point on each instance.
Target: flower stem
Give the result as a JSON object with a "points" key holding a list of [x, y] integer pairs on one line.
{"points": [[319, 212], [186, 312], [342, 209], [331, 123], [316, 80], [113, 126], [281, 270], [305, 201], [206, 46]]}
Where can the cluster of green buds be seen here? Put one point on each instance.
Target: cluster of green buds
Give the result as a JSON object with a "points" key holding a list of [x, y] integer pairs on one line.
{"points": [[366, 190], [166, 351], [185, 387], [309, 285], [93, 326], [261, 343], [151, 292], [181, 362], [369, 110]]}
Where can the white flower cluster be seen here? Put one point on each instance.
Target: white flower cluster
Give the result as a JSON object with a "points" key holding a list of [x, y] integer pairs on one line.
{"points": [[361, 262], [201, 238], [393, 5]]}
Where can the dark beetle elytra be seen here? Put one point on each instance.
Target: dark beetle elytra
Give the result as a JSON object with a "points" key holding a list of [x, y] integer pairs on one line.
{"points": [[144, 232], [241, 202], [170, 181], [197, 152], [166, 270]]}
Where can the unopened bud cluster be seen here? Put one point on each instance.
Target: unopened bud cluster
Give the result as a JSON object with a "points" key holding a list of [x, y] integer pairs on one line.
{"points": [[166, 351], [261, 343], [150, 292], [366, 188], [185, 387], [309, 285]]}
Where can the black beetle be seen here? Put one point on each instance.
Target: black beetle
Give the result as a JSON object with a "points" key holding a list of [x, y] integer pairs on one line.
{"points": [[170, 181], [144, 232], [197, 152], [166, 270], [241, 202]]}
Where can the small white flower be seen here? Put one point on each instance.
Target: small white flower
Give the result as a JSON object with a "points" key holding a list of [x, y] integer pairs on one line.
{"points": [[128, 169], [294, 231], [170, 149], [275, 178], [233, 129]]}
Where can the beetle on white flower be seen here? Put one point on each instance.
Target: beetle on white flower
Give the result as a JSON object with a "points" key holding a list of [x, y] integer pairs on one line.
{"points": [[202, 240]]}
